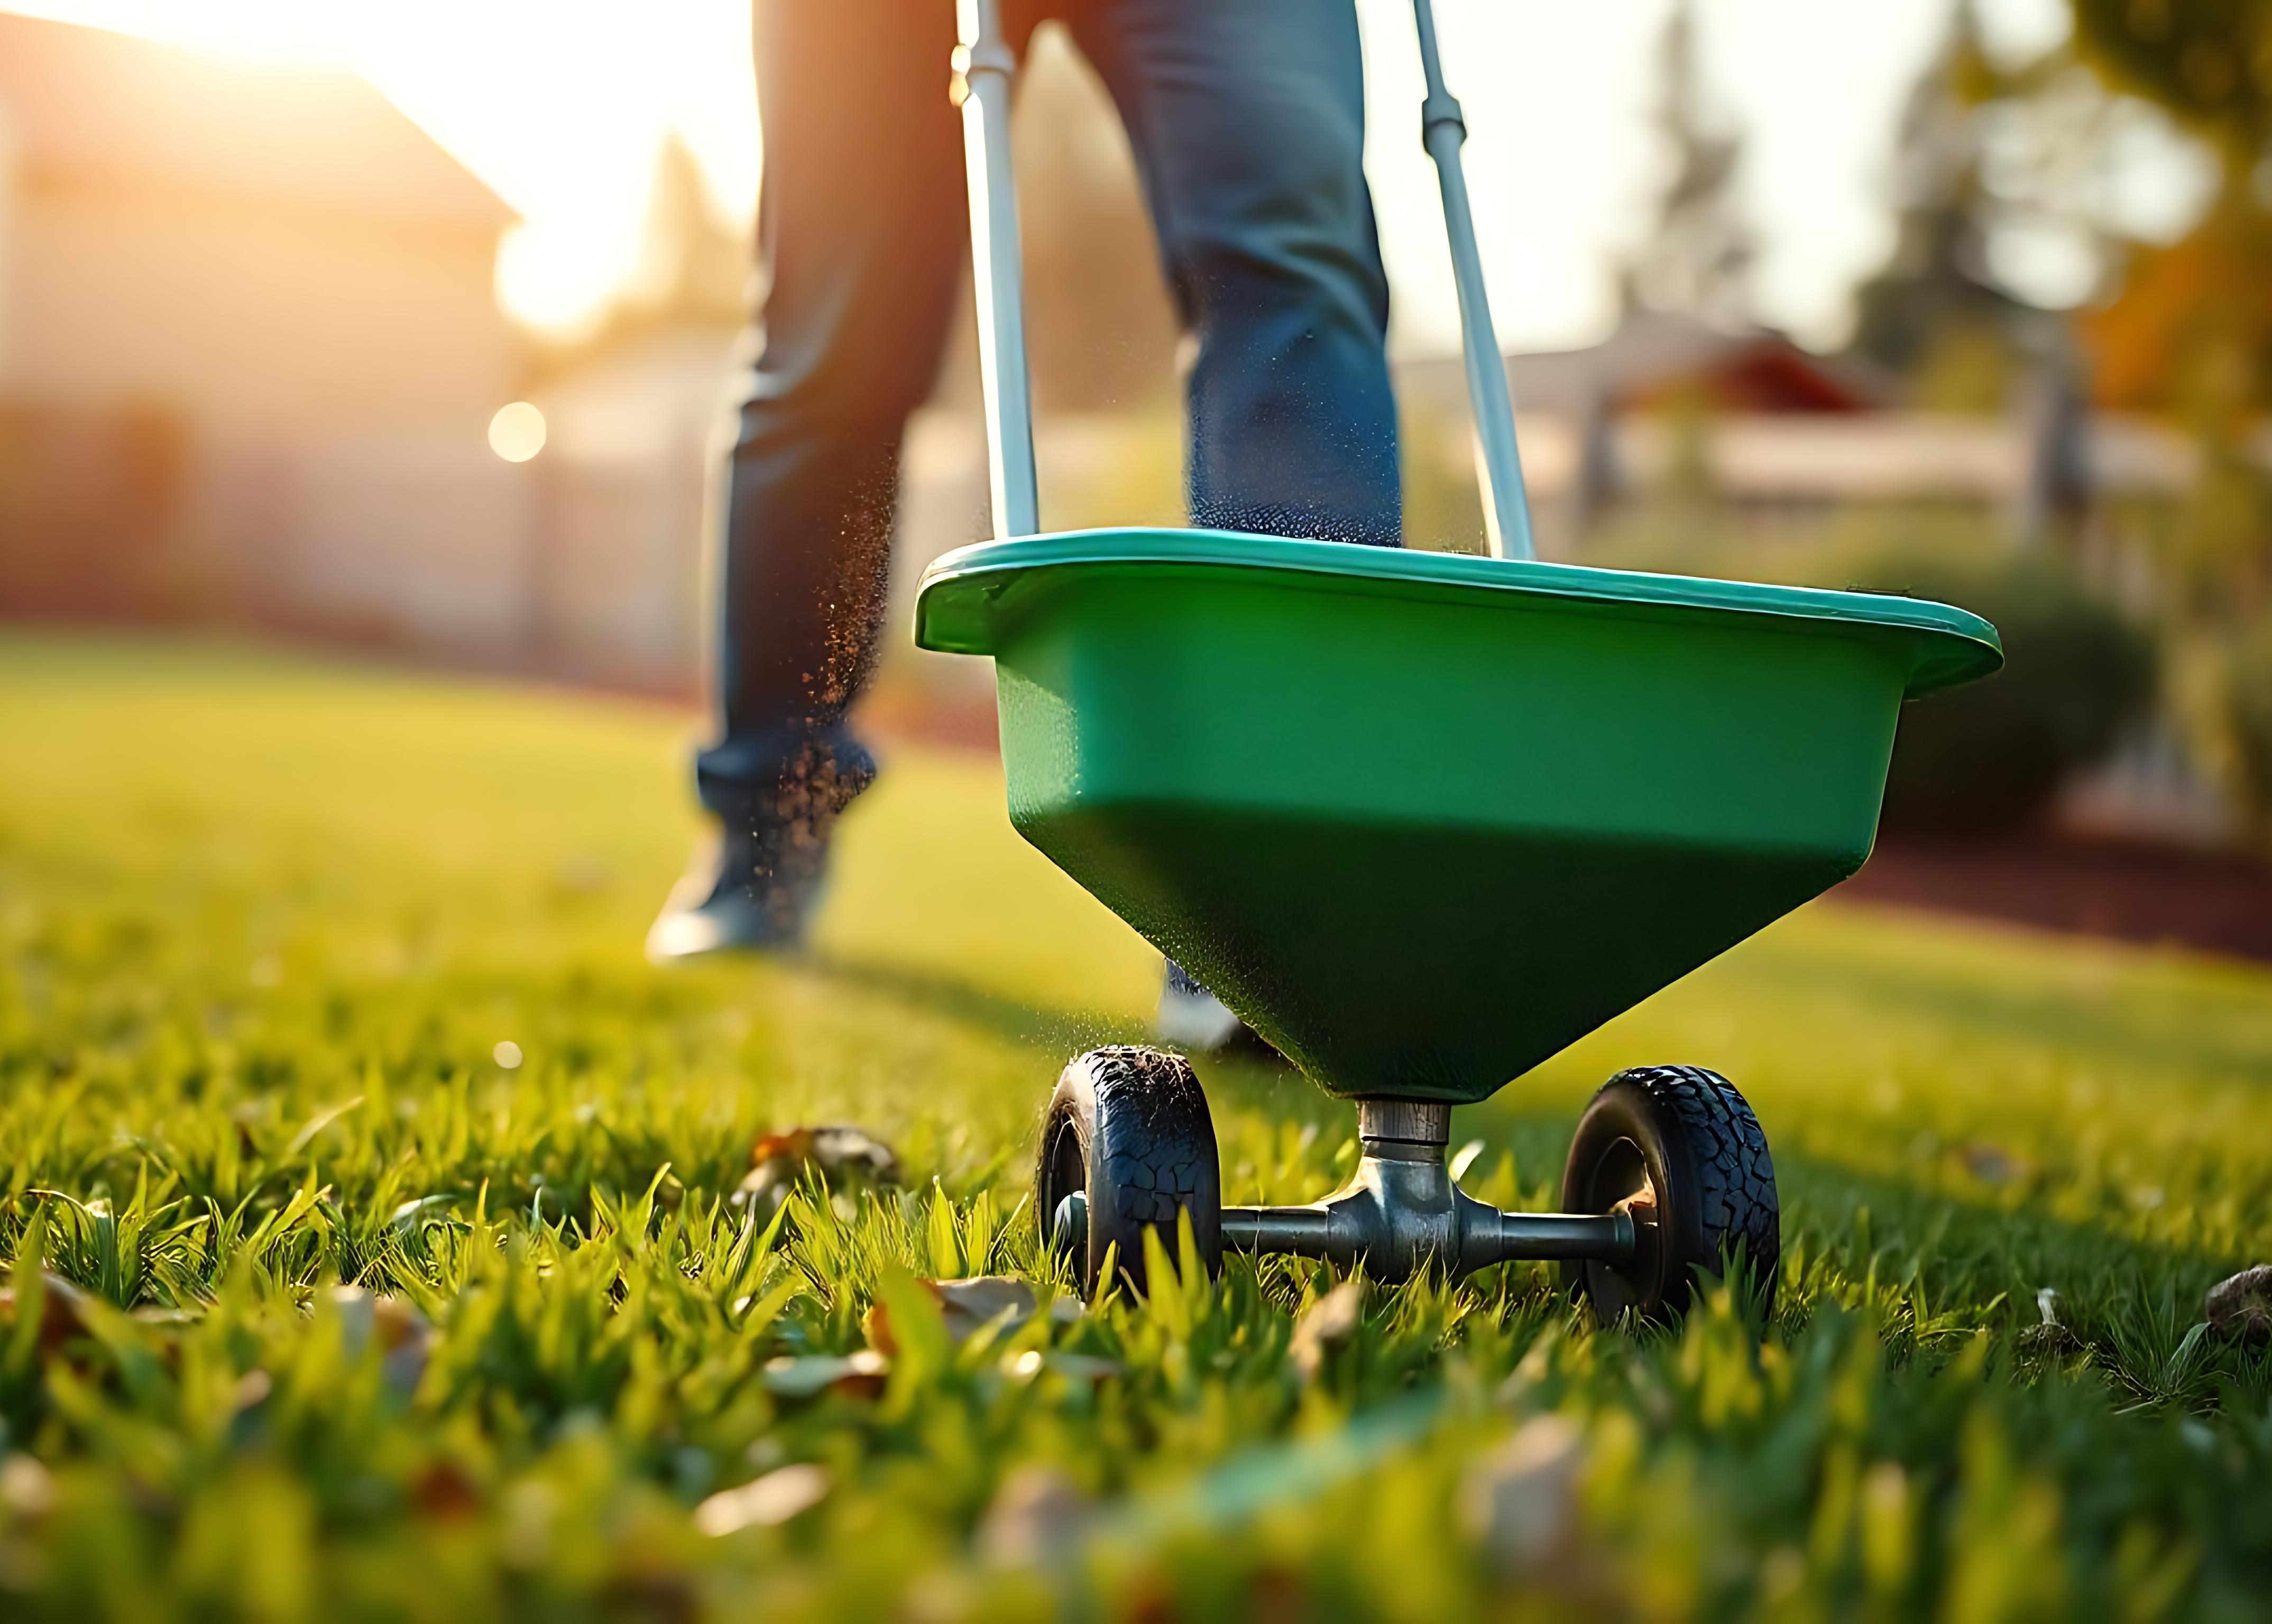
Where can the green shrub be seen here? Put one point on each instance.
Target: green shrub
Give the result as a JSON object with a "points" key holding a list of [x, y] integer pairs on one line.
{"points": [[1989, 757]]}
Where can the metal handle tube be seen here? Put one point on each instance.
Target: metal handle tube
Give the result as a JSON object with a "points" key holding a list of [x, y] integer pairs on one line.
{"points": [[1506, 508], [984, 70]]}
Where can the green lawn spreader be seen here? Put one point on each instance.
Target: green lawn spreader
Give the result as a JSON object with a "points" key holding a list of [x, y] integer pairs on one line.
{"points": [[1421, 819]]}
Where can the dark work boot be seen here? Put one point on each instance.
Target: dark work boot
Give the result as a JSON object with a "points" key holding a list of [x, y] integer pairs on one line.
{"points": [[757, 886], [1196, 1021], [748, 891]]}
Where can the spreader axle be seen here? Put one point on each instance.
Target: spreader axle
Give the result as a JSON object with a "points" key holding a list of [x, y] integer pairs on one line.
{"points": [[1401, 1211]]}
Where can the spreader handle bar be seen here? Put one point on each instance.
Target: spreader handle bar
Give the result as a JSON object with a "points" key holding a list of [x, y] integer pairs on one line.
{"points": [[1507, 509], [984, 69]]}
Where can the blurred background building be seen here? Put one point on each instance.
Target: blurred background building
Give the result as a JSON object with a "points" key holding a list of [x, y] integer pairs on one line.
{"points": [[249, 346], [256, 331]]}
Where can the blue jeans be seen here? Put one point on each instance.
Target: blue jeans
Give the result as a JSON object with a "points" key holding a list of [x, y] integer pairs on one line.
{"points": [[1247, 120]]}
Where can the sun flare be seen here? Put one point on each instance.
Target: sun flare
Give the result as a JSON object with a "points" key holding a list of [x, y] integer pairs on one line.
{"points": [[558, 105]]}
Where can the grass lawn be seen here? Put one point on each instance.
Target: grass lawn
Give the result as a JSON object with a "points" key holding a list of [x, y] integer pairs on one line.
{"points": [[265, 924]]}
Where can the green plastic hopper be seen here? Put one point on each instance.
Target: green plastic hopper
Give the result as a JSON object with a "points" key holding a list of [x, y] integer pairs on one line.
{"points": [[1419, 819], [1423, 819]]}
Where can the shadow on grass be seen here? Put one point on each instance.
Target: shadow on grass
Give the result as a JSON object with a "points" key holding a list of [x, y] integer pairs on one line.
{"points": [[1038, 1026], [1260, 1083]]}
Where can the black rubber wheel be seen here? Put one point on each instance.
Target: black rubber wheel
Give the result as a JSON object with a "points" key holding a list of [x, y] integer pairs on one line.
{"points": [[1677, 1148], [1126, 1144]]}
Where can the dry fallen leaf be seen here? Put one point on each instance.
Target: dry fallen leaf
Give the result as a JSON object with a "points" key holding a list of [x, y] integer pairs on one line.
{"points": [[965, 1305], [763, 1502], [444, 1493], [164, 1319], [1991, 1165], [1025, 1364], [1326, 1324], [856, 1376], [1520, 1501], [1036, 1520], [842, 1155], [62, 1311], [26, 1487], [405, 1334]]}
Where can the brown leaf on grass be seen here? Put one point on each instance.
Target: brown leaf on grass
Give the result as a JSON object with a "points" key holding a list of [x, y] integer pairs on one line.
{"points": [[1324, 1325], [27, 1488], [166, 1324], [405, 1336], [855, 1375], [62, 1311], [1029, 1363], [443, 1492], [2242, 1305], [843, 1156], [965, 1305], [763, 1502], [1991, 1165], [164, 1319], [1036, 1520], [1520, 1501]]}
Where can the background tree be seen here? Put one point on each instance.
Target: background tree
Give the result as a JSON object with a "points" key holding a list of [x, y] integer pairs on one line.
{"points": [[1934, 316], [2208, 61], [1698, 260], [2191, 331], [2190, 335]]}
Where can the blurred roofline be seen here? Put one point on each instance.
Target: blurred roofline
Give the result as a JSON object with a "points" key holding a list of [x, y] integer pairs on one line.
{"points": [[82, 102]]}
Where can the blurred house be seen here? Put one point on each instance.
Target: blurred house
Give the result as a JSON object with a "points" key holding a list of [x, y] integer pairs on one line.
{"points": [[249, 345], [1655, 358], [622, 490], [1776, 430]]}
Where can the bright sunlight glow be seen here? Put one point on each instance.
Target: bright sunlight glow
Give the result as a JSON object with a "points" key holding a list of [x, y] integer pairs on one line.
{"points": [[560, 105], [517, 431]]}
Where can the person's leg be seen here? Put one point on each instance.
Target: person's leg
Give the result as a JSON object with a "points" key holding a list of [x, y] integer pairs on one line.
{"points": [[1247, 117], [861, 234]]}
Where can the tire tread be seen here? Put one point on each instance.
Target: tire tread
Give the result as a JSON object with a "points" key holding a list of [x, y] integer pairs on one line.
{"points": [[1735, 1174], [1149, 1145], [1156, 1167]]}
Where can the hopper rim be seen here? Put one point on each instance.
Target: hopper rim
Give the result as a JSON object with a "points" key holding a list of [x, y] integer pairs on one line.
{"points": [[961, 606]]}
